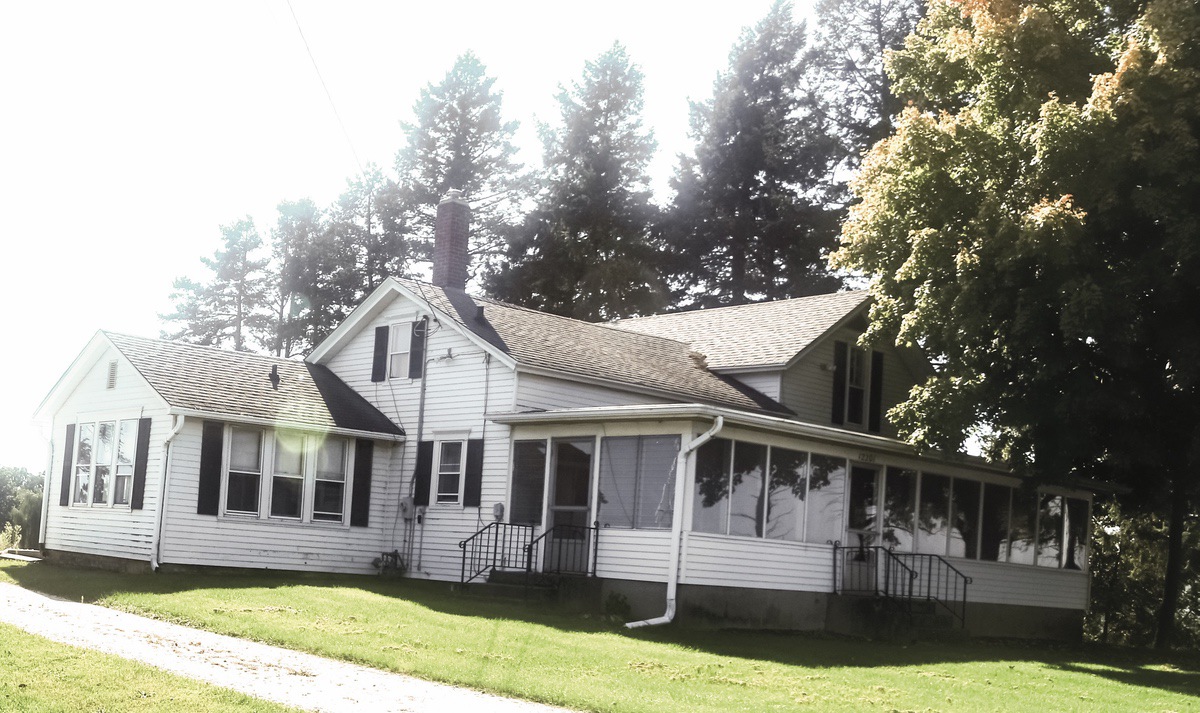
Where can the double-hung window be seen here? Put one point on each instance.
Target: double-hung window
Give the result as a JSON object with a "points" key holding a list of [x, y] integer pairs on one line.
{"points": [[245, 470], [287, 479], [104, 462], [856, 385], [406, 350], [286, 475], [449, 471], [329, 489]]}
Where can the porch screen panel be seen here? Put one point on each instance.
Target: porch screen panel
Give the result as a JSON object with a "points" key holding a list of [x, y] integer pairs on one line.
{"points": [[1075, 548], [864, 507], [617, 503], [826, 499], [710, 509], [993, 540], [529, 482], [964, 519], [1022, 532], [746, 502], [1050, 531], [933, 515], [787, 492], [899, 513], [656, 482]]}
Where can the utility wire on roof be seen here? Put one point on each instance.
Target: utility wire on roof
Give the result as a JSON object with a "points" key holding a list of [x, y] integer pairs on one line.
{"points": [[328, 96]]}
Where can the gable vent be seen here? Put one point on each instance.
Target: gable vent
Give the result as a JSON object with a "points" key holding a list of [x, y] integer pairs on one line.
{"points": [[111, 383]]}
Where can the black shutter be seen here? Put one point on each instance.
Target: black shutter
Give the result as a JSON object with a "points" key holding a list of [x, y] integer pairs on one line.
{"points": [[840, 351], [876, 399], [360, 496], [416, 348], [212, 450], [379, 365], [141, 455], [423, 473], [473, 488], [64, 493]]}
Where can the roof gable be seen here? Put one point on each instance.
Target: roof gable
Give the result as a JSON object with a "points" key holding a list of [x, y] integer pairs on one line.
{"points": [[762, 335], [530, 340], [238, 385]]}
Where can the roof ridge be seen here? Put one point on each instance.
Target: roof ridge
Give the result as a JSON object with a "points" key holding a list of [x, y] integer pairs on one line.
{"points": [[552, 315], [747, 305], [207, 347]]}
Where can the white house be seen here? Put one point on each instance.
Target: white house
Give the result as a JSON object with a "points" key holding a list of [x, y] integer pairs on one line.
{"points": [[733, 463]]}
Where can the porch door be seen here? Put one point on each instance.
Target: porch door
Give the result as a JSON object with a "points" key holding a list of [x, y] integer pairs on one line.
{"points": [[862, 531], [568, 545]]}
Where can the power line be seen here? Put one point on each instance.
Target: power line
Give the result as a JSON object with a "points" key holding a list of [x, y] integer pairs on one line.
{"points": [[328, 96]]}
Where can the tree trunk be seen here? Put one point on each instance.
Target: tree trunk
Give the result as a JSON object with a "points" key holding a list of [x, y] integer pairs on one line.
{"points": [[1173, 579]]}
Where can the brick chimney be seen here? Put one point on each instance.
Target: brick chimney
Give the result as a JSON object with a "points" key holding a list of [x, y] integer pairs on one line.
{"points": [[450, 232]]}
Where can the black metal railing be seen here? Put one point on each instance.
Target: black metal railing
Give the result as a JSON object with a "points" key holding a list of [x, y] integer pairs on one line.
{"points": [[902, 576], [565, 549], [871, 570], [499, 546], [938, 581]]}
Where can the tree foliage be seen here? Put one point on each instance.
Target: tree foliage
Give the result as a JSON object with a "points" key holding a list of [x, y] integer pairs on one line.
{"points": [[1033, 225], [460, 140], [21, 503], [750, 219], [1127, 566], [851, 40], [587, 250], [230, 307]]}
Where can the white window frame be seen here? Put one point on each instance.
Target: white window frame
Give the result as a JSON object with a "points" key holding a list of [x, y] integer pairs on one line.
{"points": [[863, 382], [439, 452], [310, 444], [301, 476], [399, 342], [116, 469], [226, 469]]}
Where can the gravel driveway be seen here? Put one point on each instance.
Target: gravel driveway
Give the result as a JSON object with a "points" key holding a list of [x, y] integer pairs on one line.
{"points": [[288, 677]]}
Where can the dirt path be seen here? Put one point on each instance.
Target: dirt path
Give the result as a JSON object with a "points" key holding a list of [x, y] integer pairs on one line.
{"points": [[288, 677]]}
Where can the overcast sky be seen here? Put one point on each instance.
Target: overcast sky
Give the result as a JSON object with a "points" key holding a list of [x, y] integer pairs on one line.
{"points": [[129, 132]]}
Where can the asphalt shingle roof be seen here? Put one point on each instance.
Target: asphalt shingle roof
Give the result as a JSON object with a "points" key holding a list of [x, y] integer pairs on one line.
{"points": [[766, 334], [236, 384], [601, 351]]}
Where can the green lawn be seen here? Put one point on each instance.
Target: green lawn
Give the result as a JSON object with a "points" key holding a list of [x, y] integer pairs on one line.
{"points": [[37, 674], [539, 653]]}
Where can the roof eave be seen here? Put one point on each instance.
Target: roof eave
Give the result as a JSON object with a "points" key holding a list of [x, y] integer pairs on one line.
{"points": [[285, 424], [611, 384], [778, 424]]}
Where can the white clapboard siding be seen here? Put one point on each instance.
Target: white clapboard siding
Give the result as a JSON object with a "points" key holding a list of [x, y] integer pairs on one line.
{"points": [[541, 392], [718, 560], [101, 530], [462, 384], [194, 539], [1024, 585], [642, 555], [808, 385], [768, 383]]}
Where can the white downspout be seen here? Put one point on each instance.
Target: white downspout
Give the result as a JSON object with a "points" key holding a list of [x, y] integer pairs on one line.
{"points": [[677, 527], [160, 511]]}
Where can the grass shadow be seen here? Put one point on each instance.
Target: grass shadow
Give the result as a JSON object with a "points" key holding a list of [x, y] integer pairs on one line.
{"points": [[1176, 672]]}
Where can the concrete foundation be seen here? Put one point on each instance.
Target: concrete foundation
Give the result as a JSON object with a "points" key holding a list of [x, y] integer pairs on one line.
{"points": [[110, 564]]}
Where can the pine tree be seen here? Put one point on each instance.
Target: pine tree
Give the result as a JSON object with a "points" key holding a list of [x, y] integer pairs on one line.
{"points": [[750, 219], [587, 250], [230, 308], [317, 283], [459, 140], [849, 52], [370, 222]]}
